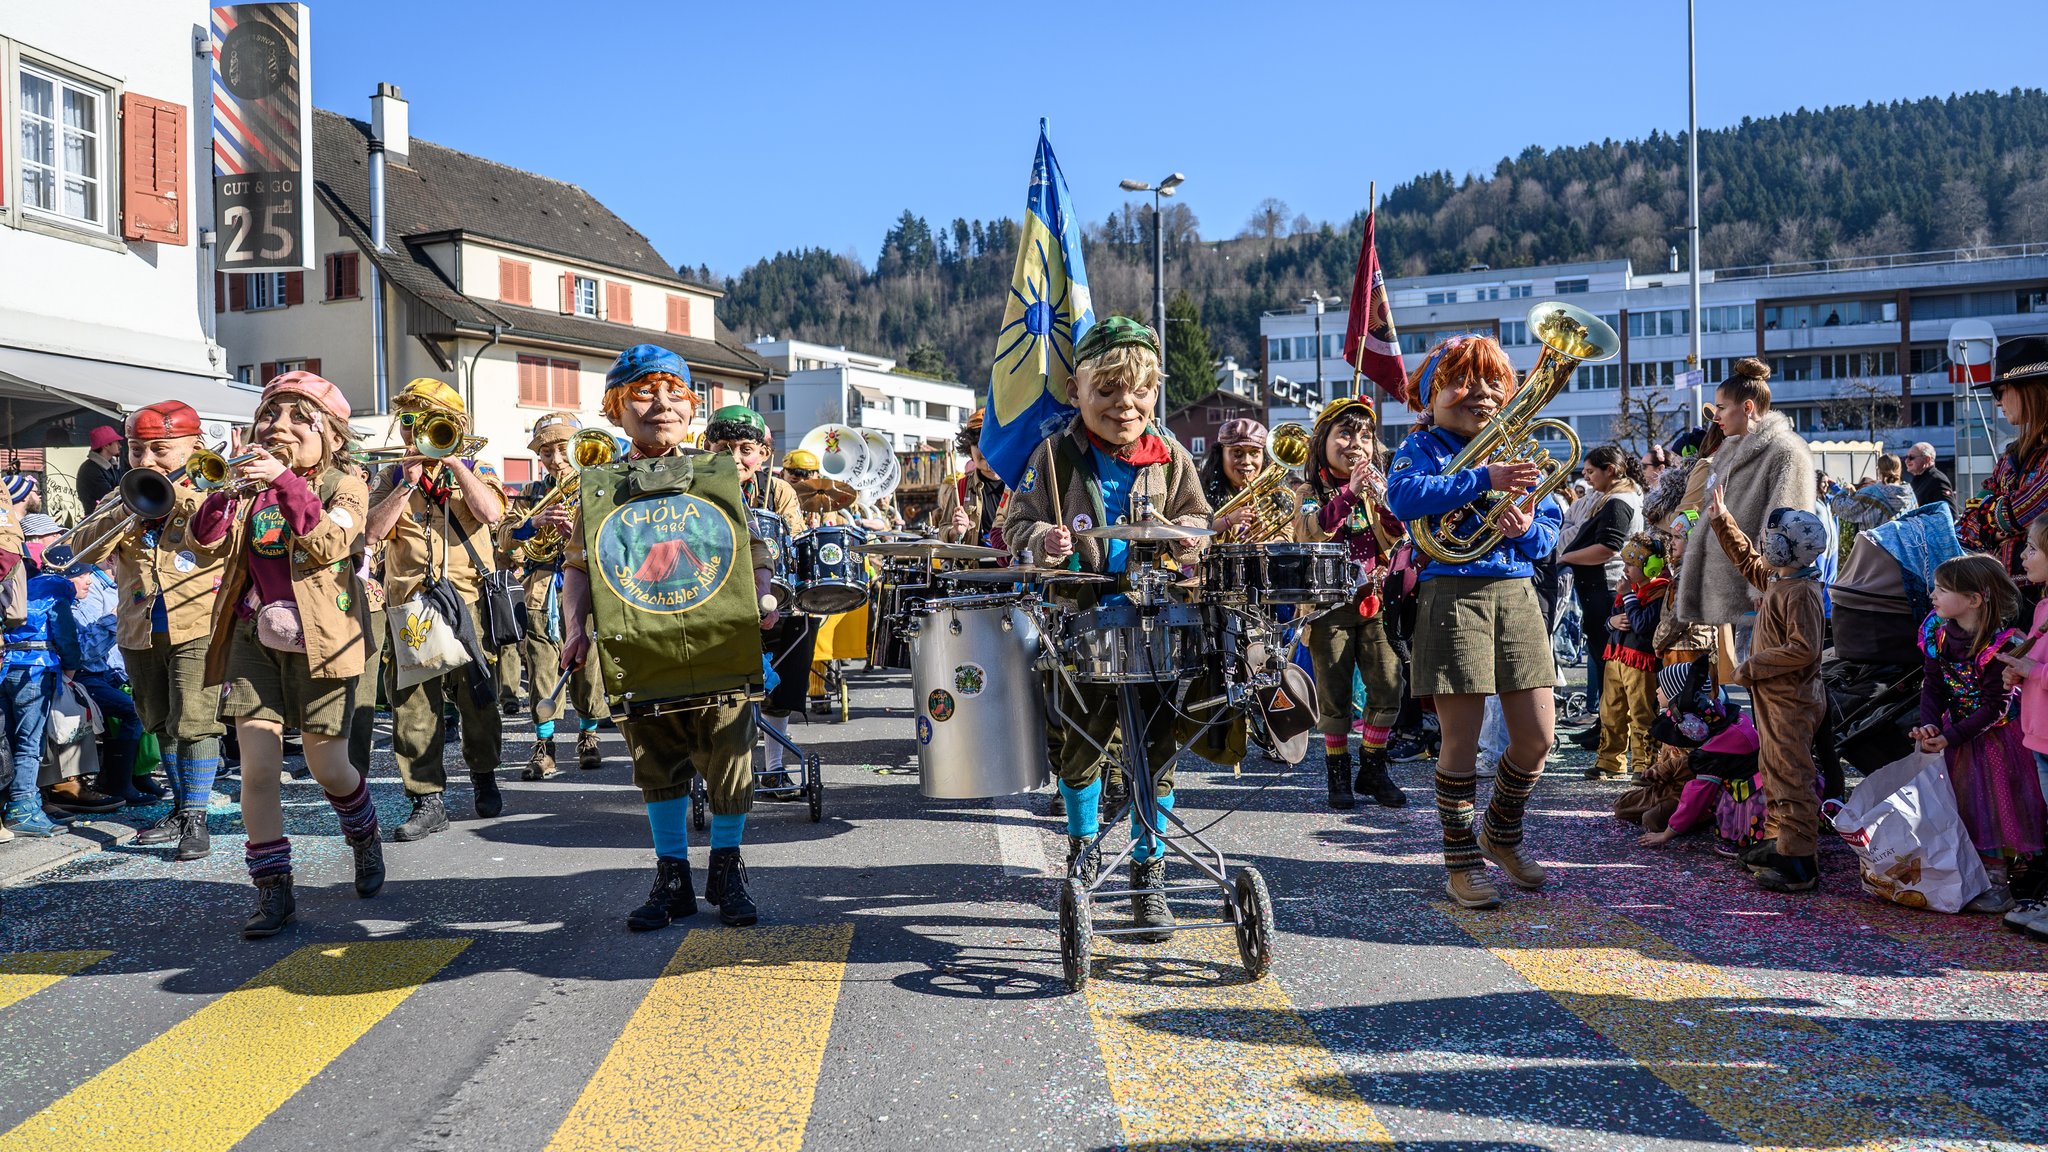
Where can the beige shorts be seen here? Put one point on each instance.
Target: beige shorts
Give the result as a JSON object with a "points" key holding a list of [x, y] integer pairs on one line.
{"points": [[1479, 635]]}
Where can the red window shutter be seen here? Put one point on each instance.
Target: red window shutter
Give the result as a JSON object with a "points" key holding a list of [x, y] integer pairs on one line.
{"points": [[266, 372], [679, 315], [568, 294], [330, 280], [518, 470], [618, 303], [313, 365], [533, 380], [294, 288], [351, 275], [515, 282], [152, 170], [238, 291], [564, 382], [220, 291]]}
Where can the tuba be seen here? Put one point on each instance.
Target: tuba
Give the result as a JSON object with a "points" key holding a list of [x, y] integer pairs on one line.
{"points": [[1570, 336], [1275, 506], [590, 448]]}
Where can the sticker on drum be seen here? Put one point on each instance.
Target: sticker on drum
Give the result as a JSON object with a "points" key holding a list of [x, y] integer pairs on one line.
{"points": [[940, 705], [830, 554], [969, 680], [924, 730]]}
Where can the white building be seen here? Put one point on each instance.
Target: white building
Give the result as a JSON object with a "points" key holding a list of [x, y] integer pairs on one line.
{"points": [[1833, 332], [826, 385], [105, 205], [517, 289]]}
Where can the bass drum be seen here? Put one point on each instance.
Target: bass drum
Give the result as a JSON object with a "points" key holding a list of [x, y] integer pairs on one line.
{"points": [[980, 718]]}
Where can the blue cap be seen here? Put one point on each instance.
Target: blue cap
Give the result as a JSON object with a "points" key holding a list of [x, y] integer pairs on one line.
{"points": [[645, 360]]}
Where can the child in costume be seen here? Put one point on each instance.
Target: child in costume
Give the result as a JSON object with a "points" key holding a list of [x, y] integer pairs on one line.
{"points": [[1628, 694], [541, 649]]}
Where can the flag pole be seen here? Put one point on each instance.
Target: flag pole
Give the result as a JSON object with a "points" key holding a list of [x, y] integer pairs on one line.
{"points": [[1372, 192]]}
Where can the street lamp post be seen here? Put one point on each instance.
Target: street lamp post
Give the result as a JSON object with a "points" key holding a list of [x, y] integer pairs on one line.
{"points": [[1163, 188]]}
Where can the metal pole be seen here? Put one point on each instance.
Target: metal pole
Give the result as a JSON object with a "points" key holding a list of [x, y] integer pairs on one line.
{"points": [[1158, 270], [1692, 167], [1318, 306]]}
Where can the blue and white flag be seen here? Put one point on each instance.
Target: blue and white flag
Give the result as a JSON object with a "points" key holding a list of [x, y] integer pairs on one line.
{"points": [[1047, 315]]}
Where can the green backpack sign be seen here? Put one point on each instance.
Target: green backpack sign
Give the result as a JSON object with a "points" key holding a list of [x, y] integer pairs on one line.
{"points": [[671, 579]]}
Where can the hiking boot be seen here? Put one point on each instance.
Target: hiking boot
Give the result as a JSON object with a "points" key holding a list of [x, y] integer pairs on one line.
{"points": [[726, 886], [166, 829], [1057, 808], [429, 815], [275, 907], [1789, 873], [1996, 899], [1374, 781], [489, 801], [194, 843], [1149, 909], [1338, 767], [669, 900], [1469, 888], [73, 797], [1525, 873], [541, 764], [589, 757], [1084, 858], [369, 853], [1598, 773]]}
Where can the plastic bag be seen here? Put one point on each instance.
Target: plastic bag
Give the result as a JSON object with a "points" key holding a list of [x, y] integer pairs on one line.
{"points": [[1909, 837]]}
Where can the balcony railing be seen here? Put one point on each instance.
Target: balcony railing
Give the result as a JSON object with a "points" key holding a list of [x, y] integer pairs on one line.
{"points": [[1891, 260]]}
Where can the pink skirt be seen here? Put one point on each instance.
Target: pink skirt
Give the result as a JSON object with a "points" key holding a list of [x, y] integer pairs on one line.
{"points": [[1999, 792]]}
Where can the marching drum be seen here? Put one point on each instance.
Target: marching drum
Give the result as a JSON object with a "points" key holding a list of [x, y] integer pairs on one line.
{"points": [[829, 578], [980, 718], [770, 527], [1115, 644], [1278, 573]]}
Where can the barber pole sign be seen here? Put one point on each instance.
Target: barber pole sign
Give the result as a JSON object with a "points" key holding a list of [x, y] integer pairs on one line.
{"points": [[262, 138]]}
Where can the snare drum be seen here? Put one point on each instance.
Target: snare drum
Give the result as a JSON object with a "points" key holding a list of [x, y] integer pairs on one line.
{"points": [[770, 527], [1278, 573], [980, 716], [829, 577], [1113, 644]]}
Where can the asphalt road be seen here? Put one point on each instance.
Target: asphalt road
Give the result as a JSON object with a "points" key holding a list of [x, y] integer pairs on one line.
{"points": [[904, 991]]}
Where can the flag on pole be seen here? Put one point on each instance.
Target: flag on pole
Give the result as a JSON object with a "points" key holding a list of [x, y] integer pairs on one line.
{"points": [[1370, 343], [1047, 314]]}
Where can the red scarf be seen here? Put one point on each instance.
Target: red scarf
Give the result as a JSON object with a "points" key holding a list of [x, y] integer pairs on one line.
{"points": [[1146, 449]]}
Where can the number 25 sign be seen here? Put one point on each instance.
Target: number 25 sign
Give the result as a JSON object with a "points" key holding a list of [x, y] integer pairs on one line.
{"points": [[262, 137]]}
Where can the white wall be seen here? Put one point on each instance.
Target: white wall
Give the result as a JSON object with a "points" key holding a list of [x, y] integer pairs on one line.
{"points": [[137, 302]]}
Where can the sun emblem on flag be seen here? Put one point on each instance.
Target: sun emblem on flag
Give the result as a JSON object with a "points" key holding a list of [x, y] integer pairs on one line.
{"points": [[1042, 320]]}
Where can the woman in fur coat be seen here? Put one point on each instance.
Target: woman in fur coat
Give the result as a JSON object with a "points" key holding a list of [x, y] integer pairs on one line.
{"points": [[1762, 465]]}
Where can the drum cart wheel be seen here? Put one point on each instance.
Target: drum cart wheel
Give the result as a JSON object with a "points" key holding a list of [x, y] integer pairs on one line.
{"points": [[814, 786], [835, 689], [1077, 933], [700, 811], [1253, 911]]}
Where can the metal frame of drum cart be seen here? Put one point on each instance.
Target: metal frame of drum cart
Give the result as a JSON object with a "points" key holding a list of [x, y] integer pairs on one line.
{"points": [[808, 765]]}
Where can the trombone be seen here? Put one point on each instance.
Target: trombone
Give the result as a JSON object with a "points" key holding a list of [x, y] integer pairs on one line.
{"points": [[144, 495], [436, 436]]}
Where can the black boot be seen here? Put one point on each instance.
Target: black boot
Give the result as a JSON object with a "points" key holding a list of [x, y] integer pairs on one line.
{"points": [[1149, 909], [726, 886], [1058, 806], [670, 899], [429, 815], [275, 907], [489, 801], [193, 841], [1115, 799], [369, 853], [1339, 766], [1789, 873], [167, 830], [1084, 858], [148, 786], [1374, 781], [1756, 855]]}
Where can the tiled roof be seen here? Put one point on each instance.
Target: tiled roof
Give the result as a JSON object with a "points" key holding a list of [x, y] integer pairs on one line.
{"points": [[439, 190]]}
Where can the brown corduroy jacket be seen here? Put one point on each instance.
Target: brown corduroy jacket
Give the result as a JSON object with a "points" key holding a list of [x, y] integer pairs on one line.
{"points": [[1175, 490]]}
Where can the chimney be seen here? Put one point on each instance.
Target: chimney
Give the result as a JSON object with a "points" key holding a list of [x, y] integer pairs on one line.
{"points": [[390, 121]]}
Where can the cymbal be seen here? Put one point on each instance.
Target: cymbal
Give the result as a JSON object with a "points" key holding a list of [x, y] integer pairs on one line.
{"points": [[931, 550], [1022, 575], [822, 495], [1150, 531]]}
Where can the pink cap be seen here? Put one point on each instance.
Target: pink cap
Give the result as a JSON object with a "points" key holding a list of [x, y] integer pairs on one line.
{"points": [[103, 436], [318, 389]]}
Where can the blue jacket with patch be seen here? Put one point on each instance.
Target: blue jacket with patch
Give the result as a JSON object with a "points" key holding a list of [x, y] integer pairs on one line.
{"points": [[1417, 487]]}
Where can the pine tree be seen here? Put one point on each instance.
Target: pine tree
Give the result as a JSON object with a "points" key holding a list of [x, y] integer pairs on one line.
{"points": [[1190, 361]]}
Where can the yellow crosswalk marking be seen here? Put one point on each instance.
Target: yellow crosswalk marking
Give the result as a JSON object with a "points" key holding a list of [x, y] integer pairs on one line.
{"points": [[208, 1081], [24, 974], [1196, 1057], [725, 1049], [1767, 1075]]}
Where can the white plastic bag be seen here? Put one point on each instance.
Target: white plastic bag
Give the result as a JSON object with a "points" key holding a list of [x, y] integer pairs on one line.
{"points": [[1909, 837], [73, 717], [422, 643]]}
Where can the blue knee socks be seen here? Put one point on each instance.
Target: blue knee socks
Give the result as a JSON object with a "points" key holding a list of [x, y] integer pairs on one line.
{"points": [[198, 764], [167, 756], [727, 830], [1081, 802], [669, 820], [1147, 847], [583, 724], [545, 730]]}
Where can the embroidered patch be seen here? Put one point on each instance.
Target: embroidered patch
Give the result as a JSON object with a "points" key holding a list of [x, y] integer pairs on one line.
{"points": [[267, 531], [1029, 483], [940, 705], [1083, 521], [341, 516], [342, 600], [1402, 463], [969, 680], [185, 562]]}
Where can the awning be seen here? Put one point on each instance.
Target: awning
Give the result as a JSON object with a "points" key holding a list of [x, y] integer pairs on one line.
{"points": [[115, 390]]}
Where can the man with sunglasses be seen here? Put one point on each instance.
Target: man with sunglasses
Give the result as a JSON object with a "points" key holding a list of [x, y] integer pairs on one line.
{"points": [[436, 518]]}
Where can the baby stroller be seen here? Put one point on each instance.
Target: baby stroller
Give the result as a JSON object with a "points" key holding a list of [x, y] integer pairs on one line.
{"points": [[1872, 674]]}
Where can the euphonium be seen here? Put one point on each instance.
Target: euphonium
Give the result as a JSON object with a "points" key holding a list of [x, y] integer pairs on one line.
{"points": [[1273, 505], [1570, 336], [590, 448]]}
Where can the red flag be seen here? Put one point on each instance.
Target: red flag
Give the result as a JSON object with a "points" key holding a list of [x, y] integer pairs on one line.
{"points": [[1370, 343]]}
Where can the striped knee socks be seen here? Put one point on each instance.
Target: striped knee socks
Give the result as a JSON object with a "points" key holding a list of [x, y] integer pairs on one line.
{"points": [[1375, 737], [198, 764], [358, 816], [1511, 787], [1454, 796], [271, 858]]}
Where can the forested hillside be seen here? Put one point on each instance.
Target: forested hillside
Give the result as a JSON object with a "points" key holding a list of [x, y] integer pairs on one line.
{"points": [[1965, 171]]}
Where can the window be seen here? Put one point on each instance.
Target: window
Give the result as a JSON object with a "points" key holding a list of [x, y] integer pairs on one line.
{"points": [[1198, 445], [913, 408], [1448, 296], [1834, 313], [1215, 415], [1573, 286], [1514, 332], [583, 296], [517, 470], [1661, 322], [63, 147], [776, 401], [1934, 413], [1929, 360], [2033, 300], [515, 282], [618, 303], [245, 375], [679, 315], [1276, 348], [1596, 377], [1490, 292], [342, 276], [1521, 291], [268, 290], [1728, 318]]}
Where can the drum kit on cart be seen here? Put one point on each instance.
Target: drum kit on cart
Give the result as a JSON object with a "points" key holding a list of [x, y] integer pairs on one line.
{"points": [[994, 652]]}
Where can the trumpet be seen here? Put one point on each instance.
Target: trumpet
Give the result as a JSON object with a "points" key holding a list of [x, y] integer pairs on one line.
{"points": [[209, 470], [590, 448], [1570, 336], [436, 436], [1274, 506]]}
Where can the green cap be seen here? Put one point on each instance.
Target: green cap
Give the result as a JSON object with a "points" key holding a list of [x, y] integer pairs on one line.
{"points": [[1114, 332], [736, 421]]}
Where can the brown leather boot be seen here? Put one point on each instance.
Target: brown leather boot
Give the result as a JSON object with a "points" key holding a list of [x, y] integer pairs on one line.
{"points": [[589, 756], [1470, 888], [1526, 873], [541, 764]]}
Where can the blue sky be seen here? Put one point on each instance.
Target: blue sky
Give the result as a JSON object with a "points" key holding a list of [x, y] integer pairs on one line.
{"points": [[727, 132]]}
